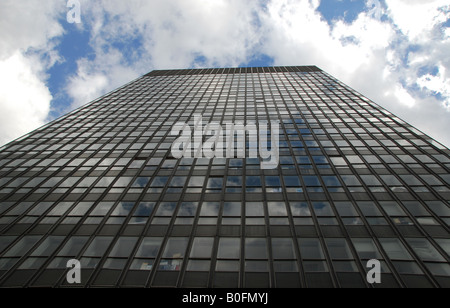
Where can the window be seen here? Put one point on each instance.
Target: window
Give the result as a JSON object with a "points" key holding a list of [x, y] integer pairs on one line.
{"points": [[416, 208], [229, 248], [255, 248], [5, 241], [410, 179], [141, 182], [331, 181], [228, 255], [166, 209], [370, 180], [48, 246], [117, 258], [395, 249], [232, 209], [292, 183], [210, 209], [338, 161], [172, 257], [98, 246], [277, 209], [101, 209], [284, 255], [149, 247], [407, 268], [311, 249], [439, 208], [176, 184], [81, 209], [214, 184], [366, 249], [273, 184], [369, 208], [146, 254], [158, 183], [338, 248], [445, 245], [423, 248], [202, 248], [300, 209], [311, 181], [23, 246], [142, 212], [283, 248], [195, 184], [255, 252], [391, 180], [392, 208], [439, 269], [303, 160], [234, 184], [254, 209], [345, 209], [312, 254], [351, 180], [253, 184], [73, 246], [322, 209], [188, 209], [123, 209]]}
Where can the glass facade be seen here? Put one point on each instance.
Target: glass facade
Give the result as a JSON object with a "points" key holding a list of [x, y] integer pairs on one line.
{"points": [[100, 185]]}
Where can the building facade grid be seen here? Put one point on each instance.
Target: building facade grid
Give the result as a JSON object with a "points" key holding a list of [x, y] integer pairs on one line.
{"points": [[100, 185]]}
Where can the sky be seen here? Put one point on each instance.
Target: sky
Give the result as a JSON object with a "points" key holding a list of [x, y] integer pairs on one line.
{"points": [[57, 55]]}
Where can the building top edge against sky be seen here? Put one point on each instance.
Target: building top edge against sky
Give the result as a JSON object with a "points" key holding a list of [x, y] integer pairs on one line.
{"points": [[229, 70]]}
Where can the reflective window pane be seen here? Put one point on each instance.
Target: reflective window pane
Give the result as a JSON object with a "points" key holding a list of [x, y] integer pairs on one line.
{"points": [[229, 248], [366, 248], [98, 246], [338, 248], [176, 247], [149, 247], [423, 248], [123, 247], [283, 248], [395, 249], [255, 248], [277, 209], [202, 247], [311, 249]]}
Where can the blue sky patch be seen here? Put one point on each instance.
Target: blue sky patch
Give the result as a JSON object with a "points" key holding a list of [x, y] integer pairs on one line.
{"points": [[348, 10], [73, 46], [259, 60]]}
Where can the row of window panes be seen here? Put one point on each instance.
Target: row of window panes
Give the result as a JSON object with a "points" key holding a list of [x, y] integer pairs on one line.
{"points": [[311, 251]]}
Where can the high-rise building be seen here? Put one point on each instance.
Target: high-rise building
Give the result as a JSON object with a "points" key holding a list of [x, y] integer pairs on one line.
{"points": [[102, 185]]}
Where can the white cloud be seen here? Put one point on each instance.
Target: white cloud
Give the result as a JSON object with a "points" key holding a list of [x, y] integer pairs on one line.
{"points": [[94, 79], [403, 96], [173, 34], [27, 30], [396, 54], [24, 102], [416, 18], [369, 54], [437, 84]]}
